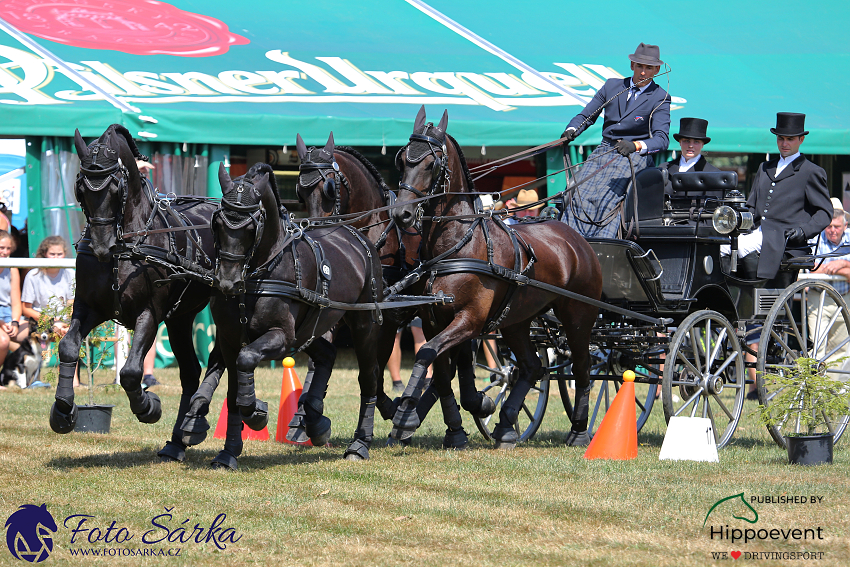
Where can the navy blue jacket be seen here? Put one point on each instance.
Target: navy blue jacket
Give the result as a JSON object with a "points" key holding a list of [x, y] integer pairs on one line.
{"points": [[647, 121]]}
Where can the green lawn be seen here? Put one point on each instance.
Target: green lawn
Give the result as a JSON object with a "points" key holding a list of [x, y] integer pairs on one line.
{"points": [[540, 504]]}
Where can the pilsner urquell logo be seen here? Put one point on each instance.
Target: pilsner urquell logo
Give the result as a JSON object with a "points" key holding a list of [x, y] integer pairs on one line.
{"points": [[29, 533]]}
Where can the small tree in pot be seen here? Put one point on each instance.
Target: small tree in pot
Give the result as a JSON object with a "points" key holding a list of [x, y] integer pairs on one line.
{"points": [[811, 406]]}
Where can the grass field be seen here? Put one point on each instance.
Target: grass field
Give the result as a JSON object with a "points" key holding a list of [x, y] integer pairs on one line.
{"points": [[540, 504]]}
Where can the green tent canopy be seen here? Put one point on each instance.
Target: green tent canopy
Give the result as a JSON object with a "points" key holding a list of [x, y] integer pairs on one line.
{"points": [[218, 72]]}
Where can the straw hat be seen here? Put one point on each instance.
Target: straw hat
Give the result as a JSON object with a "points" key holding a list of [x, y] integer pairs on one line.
{"points": [[837, 206], [526, 197]]}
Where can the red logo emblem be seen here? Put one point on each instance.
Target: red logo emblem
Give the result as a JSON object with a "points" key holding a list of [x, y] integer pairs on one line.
{"points": [[139, 27]]}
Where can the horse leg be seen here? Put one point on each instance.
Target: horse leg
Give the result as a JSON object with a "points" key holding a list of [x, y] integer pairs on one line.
{"points": [[195, 425], [63, 414], [406, 418], [297, 432], [318, 426], [582, 318], [386, 340], [444, 370], [227, 457], [255, 412], [180, 337], [364, 334], [477, 403], [145, 405], [529, 370]]}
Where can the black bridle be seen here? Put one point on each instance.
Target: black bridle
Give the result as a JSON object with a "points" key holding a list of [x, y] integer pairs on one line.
{"points": [[255, 213], [104, 176], [331, 178], [440, 172]]}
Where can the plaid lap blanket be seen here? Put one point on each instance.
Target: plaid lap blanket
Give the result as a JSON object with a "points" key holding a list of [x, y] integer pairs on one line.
{"points": [[602, 192]]}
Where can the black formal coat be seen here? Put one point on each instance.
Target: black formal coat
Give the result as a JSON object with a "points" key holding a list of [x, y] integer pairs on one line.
{"points": [[648, 120], [798, 197]]}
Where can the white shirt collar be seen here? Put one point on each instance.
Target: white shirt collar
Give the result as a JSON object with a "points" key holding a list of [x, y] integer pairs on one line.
{"points": [[687, 164], [785, 162], [641, 89]]}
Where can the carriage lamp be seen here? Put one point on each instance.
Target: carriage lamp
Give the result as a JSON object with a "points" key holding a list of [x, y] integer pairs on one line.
{"points": [[732, 218]]}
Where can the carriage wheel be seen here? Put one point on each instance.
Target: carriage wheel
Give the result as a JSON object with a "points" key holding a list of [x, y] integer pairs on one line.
{"points": [[502, 379], [780, 348], [602, 392], [705, 372]]}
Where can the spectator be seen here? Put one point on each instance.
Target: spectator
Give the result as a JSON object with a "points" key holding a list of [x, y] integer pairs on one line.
{"points": [[394, 363], [49, 289], [10, 300]]}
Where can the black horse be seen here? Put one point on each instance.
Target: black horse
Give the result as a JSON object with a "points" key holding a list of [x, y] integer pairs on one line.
{"points": [[338, 180], [482, 262], [127, 221], [288, 287]]}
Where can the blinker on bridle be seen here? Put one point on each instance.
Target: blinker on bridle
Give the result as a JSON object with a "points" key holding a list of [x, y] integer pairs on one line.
{"points": [[437, 170], [252, 212], [330, 185], [106, 174]]}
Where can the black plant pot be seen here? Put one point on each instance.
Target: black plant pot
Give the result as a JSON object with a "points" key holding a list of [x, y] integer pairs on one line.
{"points": [[809, 449], [94, 419]]}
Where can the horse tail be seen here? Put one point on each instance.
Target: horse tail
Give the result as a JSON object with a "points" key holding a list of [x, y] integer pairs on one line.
{"points": [[118, 128]]}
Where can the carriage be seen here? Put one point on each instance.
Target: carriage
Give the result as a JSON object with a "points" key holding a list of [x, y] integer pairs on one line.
{"points": [[684, 323]]}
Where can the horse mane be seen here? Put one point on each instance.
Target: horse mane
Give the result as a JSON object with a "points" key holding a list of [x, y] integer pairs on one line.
{"points": [[365, 162], [119, 129], [469, 182]]}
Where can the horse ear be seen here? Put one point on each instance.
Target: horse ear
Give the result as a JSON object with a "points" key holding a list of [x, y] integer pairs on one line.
{"points": [[444, 121], [420, 119], [82, 148], [224, 179], [301, 147], [329, 147]]}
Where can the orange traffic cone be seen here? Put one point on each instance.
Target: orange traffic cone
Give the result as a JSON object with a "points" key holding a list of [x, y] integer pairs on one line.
{"points": [[290, 392], [247, 432], [616, 437]]}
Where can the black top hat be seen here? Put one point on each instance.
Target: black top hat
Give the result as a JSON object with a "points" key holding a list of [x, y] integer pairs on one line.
{"points": [[693, 128], [790, 124], [647, 55]]}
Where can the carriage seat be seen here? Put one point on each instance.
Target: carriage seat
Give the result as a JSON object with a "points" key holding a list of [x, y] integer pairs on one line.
{"points": [[687, 189]]}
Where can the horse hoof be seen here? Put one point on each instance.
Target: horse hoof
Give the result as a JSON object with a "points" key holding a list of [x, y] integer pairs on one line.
{"points": [[505, 437], [224, 460], [488, 407], [577, 439], [194, 429], [455, 439], [172, 452], [320, 433], [357, 451], [401, 434], [388, 407], [63, 421], [395, 442], [297, 435], [406, 419], [259, 417], [154, 411]]}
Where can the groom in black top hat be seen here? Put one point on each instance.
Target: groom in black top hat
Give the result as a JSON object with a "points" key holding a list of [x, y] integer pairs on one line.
{"points": [[789, 198]]}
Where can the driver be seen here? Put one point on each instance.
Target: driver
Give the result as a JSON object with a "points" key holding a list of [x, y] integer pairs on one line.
{"points": [[637, 125]]}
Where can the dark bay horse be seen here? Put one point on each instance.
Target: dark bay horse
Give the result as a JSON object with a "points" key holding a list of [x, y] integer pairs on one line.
{"points": [[112, 284], [338, 180], [480, 262], [281, 290]]}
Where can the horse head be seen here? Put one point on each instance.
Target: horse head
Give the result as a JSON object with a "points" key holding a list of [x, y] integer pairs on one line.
{"points": [[318, 170], [108, 173], [238, 226], [424, 167]]}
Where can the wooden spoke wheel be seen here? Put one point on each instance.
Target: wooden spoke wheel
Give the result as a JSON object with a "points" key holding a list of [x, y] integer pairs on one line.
{"points": [[704, 374], [809, 319]]}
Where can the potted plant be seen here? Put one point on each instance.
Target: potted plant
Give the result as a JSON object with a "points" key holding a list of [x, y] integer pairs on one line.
{"points": [[810, 401]]}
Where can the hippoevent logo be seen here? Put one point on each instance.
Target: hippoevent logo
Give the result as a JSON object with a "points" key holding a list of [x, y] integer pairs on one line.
{"points": [[29, 533], [725, 529]]}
